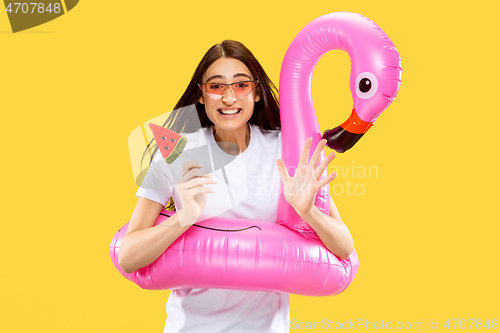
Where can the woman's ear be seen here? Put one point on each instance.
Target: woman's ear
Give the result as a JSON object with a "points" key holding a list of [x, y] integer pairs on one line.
{"points": [[257, 95], [201, 100]]}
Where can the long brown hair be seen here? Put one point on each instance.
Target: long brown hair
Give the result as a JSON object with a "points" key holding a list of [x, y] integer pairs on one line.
{"points": [[266, 111]]}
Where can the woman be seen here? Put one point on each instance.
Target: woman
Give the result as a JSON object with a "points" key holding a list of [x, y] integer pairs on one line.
{"points": [[237, 109]]}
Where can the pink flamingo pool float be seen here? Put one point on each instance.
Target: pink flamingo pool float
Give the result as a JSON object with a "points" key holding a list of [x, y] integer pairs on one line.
{"points": [[286, 256]]}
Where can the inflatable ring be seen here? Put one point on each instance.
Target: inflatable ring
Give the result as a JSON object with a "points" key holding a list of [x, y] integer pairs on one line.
{"points": [[286, 256], [237, 254]]}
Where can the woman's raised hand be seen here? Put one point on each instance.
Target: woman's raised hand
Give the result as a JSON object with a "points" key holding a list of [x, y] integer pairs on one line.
{"points": [[192, 192], [300, 190]]}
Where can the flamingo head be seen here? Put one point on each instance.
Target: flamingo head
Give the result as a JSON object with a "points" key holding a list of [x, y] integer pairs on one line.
{"points": [[374, 85]]}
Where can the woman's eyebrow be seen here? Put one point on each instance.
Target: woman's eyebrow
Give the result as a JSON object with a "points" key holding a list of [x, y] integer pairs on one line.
{"points": [[242, 74], [223, 77], [215, 77]]}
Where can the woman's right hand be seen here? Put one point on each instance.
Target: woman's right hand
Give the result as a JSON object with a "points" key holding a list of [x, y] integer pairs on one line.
{"points": [[192, 192]]}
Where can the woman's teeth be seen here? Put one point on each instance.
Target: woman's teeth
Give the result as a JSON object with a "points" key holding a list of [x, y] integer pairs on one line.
{"points": [[229, 112]]}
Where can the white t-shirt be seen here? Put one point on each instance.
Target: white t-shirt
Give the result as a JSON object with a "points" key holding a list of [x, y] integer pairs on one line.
{"points": [[247, 187]]}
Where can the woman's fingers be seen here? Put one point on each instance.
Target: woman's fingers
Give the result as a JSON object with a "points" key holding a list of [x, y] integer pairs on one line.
{"points": [[197, 173], [321, 167], [194, 173], [304, 156], [317, 153], [194, 183], [191, 193], [188, 165], [282, 170], [326, 180]]}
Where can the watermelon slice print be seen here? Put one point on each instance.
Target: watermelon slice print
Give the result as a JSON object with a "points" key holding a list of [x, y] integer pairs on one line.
{"points": [[169, 143]]}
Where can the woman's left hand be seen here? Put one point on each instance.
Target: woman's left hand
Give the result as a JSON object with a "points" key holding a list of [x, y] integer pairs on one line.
{"points": [[300, 190]]}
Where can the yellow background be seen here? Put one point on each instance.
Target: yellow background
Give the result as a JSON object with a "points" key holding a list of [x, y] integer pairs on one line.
{"points": [[426, 228]]}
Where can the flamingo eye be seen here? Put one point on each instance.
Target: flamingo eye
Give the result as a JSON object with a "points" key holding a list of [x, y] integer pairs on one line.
{"points": [[366, 85]]}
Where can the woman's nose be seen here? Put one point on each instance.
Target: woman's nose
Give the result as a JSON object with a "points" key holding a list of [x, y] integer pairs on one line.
{"points": [[229, 96]]}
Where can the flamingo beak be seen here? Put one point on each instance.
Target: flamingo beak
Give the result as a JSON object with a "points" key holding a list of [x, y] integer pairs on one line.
{"points": [[345, 136]]}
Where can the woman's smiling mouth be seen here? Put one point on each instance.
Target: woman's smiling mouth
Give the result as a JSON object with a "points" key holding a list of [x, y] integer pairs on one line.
{"points": [[229, 111]]}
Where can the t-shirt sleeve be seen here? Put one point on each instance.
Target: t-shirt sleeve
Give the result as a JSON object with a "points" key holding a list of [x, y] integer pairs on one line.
{"points": [[157, 185]]}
